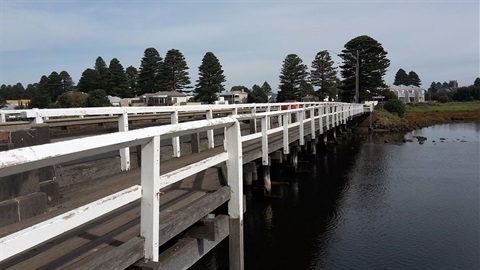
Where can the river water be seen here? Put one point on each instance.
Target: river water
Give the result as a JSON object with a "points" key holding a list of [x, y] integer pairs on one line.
{"points": [[372, 203]]}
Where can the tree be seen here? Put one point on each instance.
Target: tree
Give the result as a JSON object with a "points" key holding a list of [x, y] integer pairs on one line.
{"points": [[132, 76], [292, 75], [401, 77], [373, 64], [323, 75], [88, 81], [102, 73], [476, 83], [40, 98], [267, 88], [414, 79], [257, 95], [148, 76], [395, 106], [97, 98], [54, 85], [117, 82], [174, 76], [66, 81], [210, 79], [72, 99]]}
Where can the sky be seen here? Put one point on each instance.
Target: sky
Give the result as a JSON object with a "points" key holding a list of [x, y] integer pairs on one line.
{"points": [[439, 40]]}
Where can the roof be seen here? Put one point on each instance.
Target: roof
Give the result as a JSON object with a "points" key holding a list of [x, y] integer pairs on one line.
{"points": [[165, 94], [405, 87]]}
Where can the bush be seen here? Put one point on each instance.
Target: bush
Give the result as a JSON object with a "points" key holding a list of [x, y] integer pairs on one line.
{"points": [[395, 106]]}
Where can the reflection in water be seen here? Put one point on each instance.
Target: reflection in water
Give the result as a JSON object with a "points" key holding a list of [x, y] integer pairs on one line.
{"points": [[377, 204]]}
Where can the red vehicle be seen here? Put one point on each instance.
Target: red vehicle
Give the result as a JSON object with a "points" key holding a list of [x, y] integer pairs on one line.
{"points": [[293, 106]]}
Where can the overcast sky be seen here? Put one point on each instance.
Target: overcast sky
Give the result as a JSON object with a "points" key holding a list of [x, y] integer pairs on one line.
{"points": [[439, 40]]}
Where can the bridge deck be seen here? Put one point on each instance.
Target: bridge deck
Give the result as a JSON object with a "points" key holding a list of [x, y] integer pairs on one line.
{"points": [[94, 244]]}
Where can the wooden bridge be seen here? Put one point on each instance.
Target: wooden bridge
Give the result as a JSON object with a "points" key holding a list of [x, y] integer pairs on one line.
{"points": [[164, 214]]}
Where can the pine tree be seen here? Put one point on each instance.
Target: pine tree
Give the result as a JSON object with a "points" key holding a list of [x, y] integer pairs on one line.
{"points": [[174, 74], [293, 76], [132, 76], [67, 82], [373, 64], [118, 82], [210, 79], [148, 76], [323, 75], [88, 81], [102, 73], [414, 79], [401, 77], [54, 85]]}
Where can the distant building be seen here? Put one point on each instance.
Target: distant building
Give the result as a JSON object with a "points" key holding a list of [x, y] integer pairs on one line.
{"points": [[408, 93], [23, 103], [451, 88], [163, 98], [235, 97]]}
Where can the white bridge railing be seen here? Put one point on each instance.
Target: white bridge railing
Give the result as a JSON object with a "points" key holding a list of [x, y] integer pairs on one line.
{"points": [[321, 116]]}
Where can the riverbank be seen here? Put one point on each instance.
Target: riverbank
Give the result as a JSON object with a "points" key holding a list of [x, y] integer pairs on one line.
{"points": [[423, 115]]}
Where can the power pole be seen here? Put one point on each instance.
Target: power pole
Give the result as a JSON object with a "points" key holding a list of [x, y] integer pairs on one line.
{"points": [[357, 79]]}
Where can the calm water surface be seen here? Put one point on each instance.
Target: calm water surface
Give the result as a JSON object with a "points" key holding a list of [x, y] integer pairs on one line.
{"points": [[372, 204]]}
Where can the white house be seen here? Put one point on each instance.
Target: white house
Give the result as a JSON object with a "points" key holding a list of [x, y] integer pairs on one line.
{"points": [[408, 93], [163, 98]]}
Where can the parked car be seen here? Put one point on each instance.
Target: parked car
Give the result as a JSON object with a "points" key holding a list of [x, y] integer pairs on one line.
{"points": [[293, 106]]}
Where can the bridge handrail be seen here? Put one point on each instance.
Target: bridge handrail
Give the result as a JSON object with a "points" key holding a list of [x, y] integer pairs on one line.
{"points": [[33, 157]]}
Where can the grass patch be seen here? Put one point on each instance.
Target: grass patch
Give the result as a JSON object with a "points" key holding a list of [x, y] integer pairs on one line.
{"points": [[473, 106]]}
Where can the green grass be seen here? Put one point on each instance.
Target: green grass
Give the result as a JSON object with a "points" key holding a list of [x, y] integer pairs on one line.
{"points": [[473, 106]]}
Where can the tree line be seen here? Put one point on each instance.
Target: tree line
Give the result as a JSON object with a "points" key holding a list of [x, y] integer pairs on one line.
{"points": [[363, 59]]}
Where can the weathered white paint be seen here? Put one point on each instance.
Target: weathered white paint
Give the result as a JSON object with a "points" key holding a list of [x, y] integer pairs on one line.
{"points": [[28, 158], [184, 172], [124, 152], [235, 204], [150, 203], [175, 140], [286, 149], [210, 135], [265, 152], [25, 239]]}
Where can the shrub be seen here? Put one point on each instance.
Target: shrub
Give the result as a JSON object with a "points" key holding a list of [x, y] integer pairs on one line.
{"points": [[395, 106]]}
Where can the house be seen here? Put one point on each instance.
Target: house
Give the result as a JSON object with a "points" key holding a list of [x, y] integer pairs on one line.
{"points": [[408, 93], [18, 103], [234, 97], [163, 98]]}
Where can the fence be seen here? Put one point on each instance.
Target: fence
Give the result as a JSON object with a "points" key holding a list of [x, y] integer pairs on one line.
{"points": [[325, 115]]}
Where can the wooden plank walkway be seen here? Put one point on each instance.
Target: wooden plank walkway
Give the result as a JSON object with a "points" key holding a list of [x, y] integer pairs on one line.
{"points": [[112, 241]]}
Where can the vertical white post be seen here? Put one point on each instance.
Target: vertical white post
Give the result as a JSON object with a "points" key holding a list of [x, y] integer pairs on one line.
{"points": [[150, 202], [265, 140], [235, 205], [2, 117], [210, 137], [286, 149], [320, 113], [38, 118], [312, 122], [328, 117], [268, 119], [124, 152], [254, 111], [302, 126], [176, 139]]}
